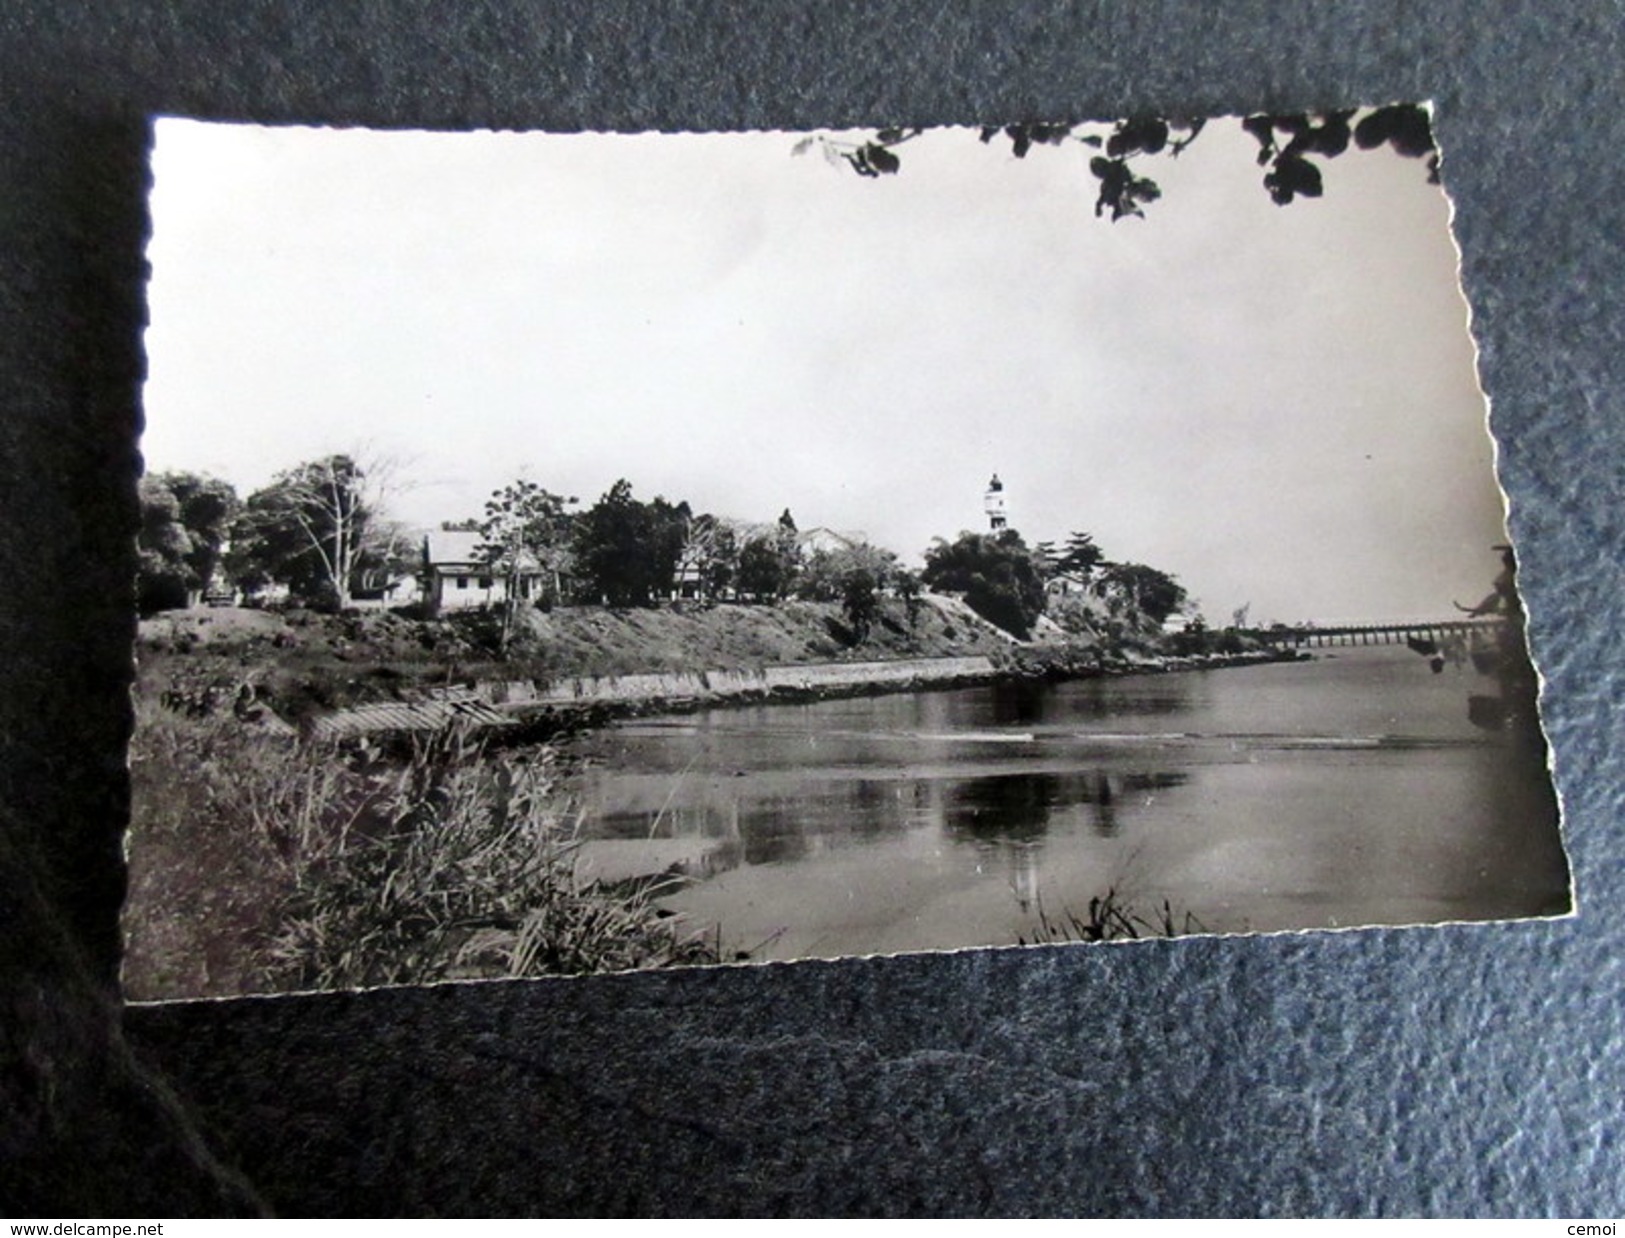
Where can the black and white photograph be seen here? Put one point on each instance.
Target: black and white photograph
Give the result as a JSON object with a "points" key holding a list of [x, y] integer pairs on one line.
{"points": [[579, 553]]}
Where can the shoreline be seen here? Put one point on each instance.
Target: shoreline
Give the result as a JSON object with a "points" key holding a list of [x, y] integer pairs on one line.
{"points": [[531, 711], [355, 677]]}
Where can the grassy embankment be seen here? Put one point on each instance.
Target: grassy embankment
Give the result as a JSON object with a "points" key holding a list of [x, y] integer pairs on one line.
{"points": [[304, 663], [260, 862], [263, 863]]}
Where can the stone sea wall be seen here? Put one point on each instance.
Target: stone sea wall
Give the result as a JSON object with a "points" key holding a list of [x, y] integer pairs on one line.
{"points": [[530, 709], [771, 681]]}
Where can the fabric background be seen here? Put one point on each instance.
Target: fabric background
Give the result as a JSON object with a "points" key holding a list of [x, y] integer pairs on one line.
{"points": [[1457, 1070]]}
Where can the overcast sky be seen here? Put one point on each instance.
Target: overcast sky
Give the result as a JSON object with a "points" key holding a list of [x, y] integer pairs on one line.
{"points": [[1277, 405]]}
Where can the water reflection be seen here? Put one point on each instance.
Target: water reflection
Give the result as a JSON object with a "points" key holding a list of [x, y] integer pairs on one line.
{"points": [[1345, 791], [1008, 808], [1157, 696], [1023, 807], [1018, 703], [1021, 863], [773, 831], [763, 821]]}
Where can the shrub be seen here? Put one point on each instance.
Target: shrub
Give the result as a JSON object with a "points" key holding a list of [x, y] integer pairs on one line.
{"points": [[1110, 918], [351, 869], [464, 865], [997, 575]]}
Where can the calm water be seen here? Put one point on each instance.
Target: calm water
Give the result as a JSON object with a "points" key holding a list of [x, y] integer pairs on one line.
{"points": [[1345, 791]]}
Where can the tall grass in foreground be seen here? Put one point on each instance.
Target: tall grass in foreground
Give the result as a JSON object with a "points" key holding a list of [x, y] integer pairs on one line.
{"points": [[356, 870], [1110, 917]]}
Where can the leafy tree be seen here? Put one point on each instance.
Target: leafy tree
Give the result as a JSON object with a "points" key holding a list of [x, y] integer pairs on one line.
{"points": [[311, 529], [762, 576], [870, 158], [855, 576], [1152, 593], [208, 506], [908, 588], [788, 545], [1080, 557], [722, 567], [997, 574], [184, 523], [164, 577], [607, 545], [860, 601], [668, 530], [526, 529], [1292, 147], [393, 551], [709, 556], [770, 562], [824, 572], [627, 551]]}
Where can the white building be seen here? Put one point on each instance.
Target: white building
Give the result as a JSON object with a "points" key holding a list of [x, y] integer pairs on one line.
{"points": [[457, 577]]}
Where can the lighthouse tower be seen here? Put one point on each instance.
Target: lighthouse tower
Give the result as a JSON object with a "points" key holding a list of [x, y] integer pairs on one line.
{"points": [[993, 504]]}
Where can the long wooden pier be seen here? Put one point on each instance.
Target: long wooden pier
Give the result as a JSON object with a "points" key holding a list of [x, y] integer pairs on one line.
{"points": [[1314, 636]]}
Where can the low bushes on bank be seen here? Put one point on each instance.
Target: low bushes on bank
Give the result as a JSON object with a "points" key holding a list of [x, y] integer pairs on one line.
{"points": [[263, 863]]}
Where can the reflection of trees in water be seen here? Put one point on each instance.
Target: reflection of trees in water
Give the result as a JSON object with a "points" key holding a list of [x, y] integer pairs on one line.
{"points": [[775, 832], [1163, 780], [708, 818], [1013, 811], [877, 808], [1175, 694], [1131, 788], [1105, 802], [783, 828], [1010, 815], [1030, 702], [1021, 870], [720, 857], [1018, 808], [1019, 701], [1006, 807]]}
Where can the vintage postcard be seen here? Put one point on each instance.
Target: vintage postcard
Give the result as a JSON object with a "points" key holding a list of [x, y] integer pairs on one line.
{"points": [[579, 553]]}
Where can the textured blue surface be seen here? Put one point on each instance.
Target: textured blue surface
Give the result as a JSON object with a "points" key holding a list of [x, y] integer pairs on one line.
{"points": [[1471, 1070]]}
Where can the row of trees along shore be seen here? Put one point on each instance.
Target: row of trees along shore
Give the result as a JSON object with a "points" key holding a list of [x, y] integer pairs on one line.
{"points": [[321, 531]]}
